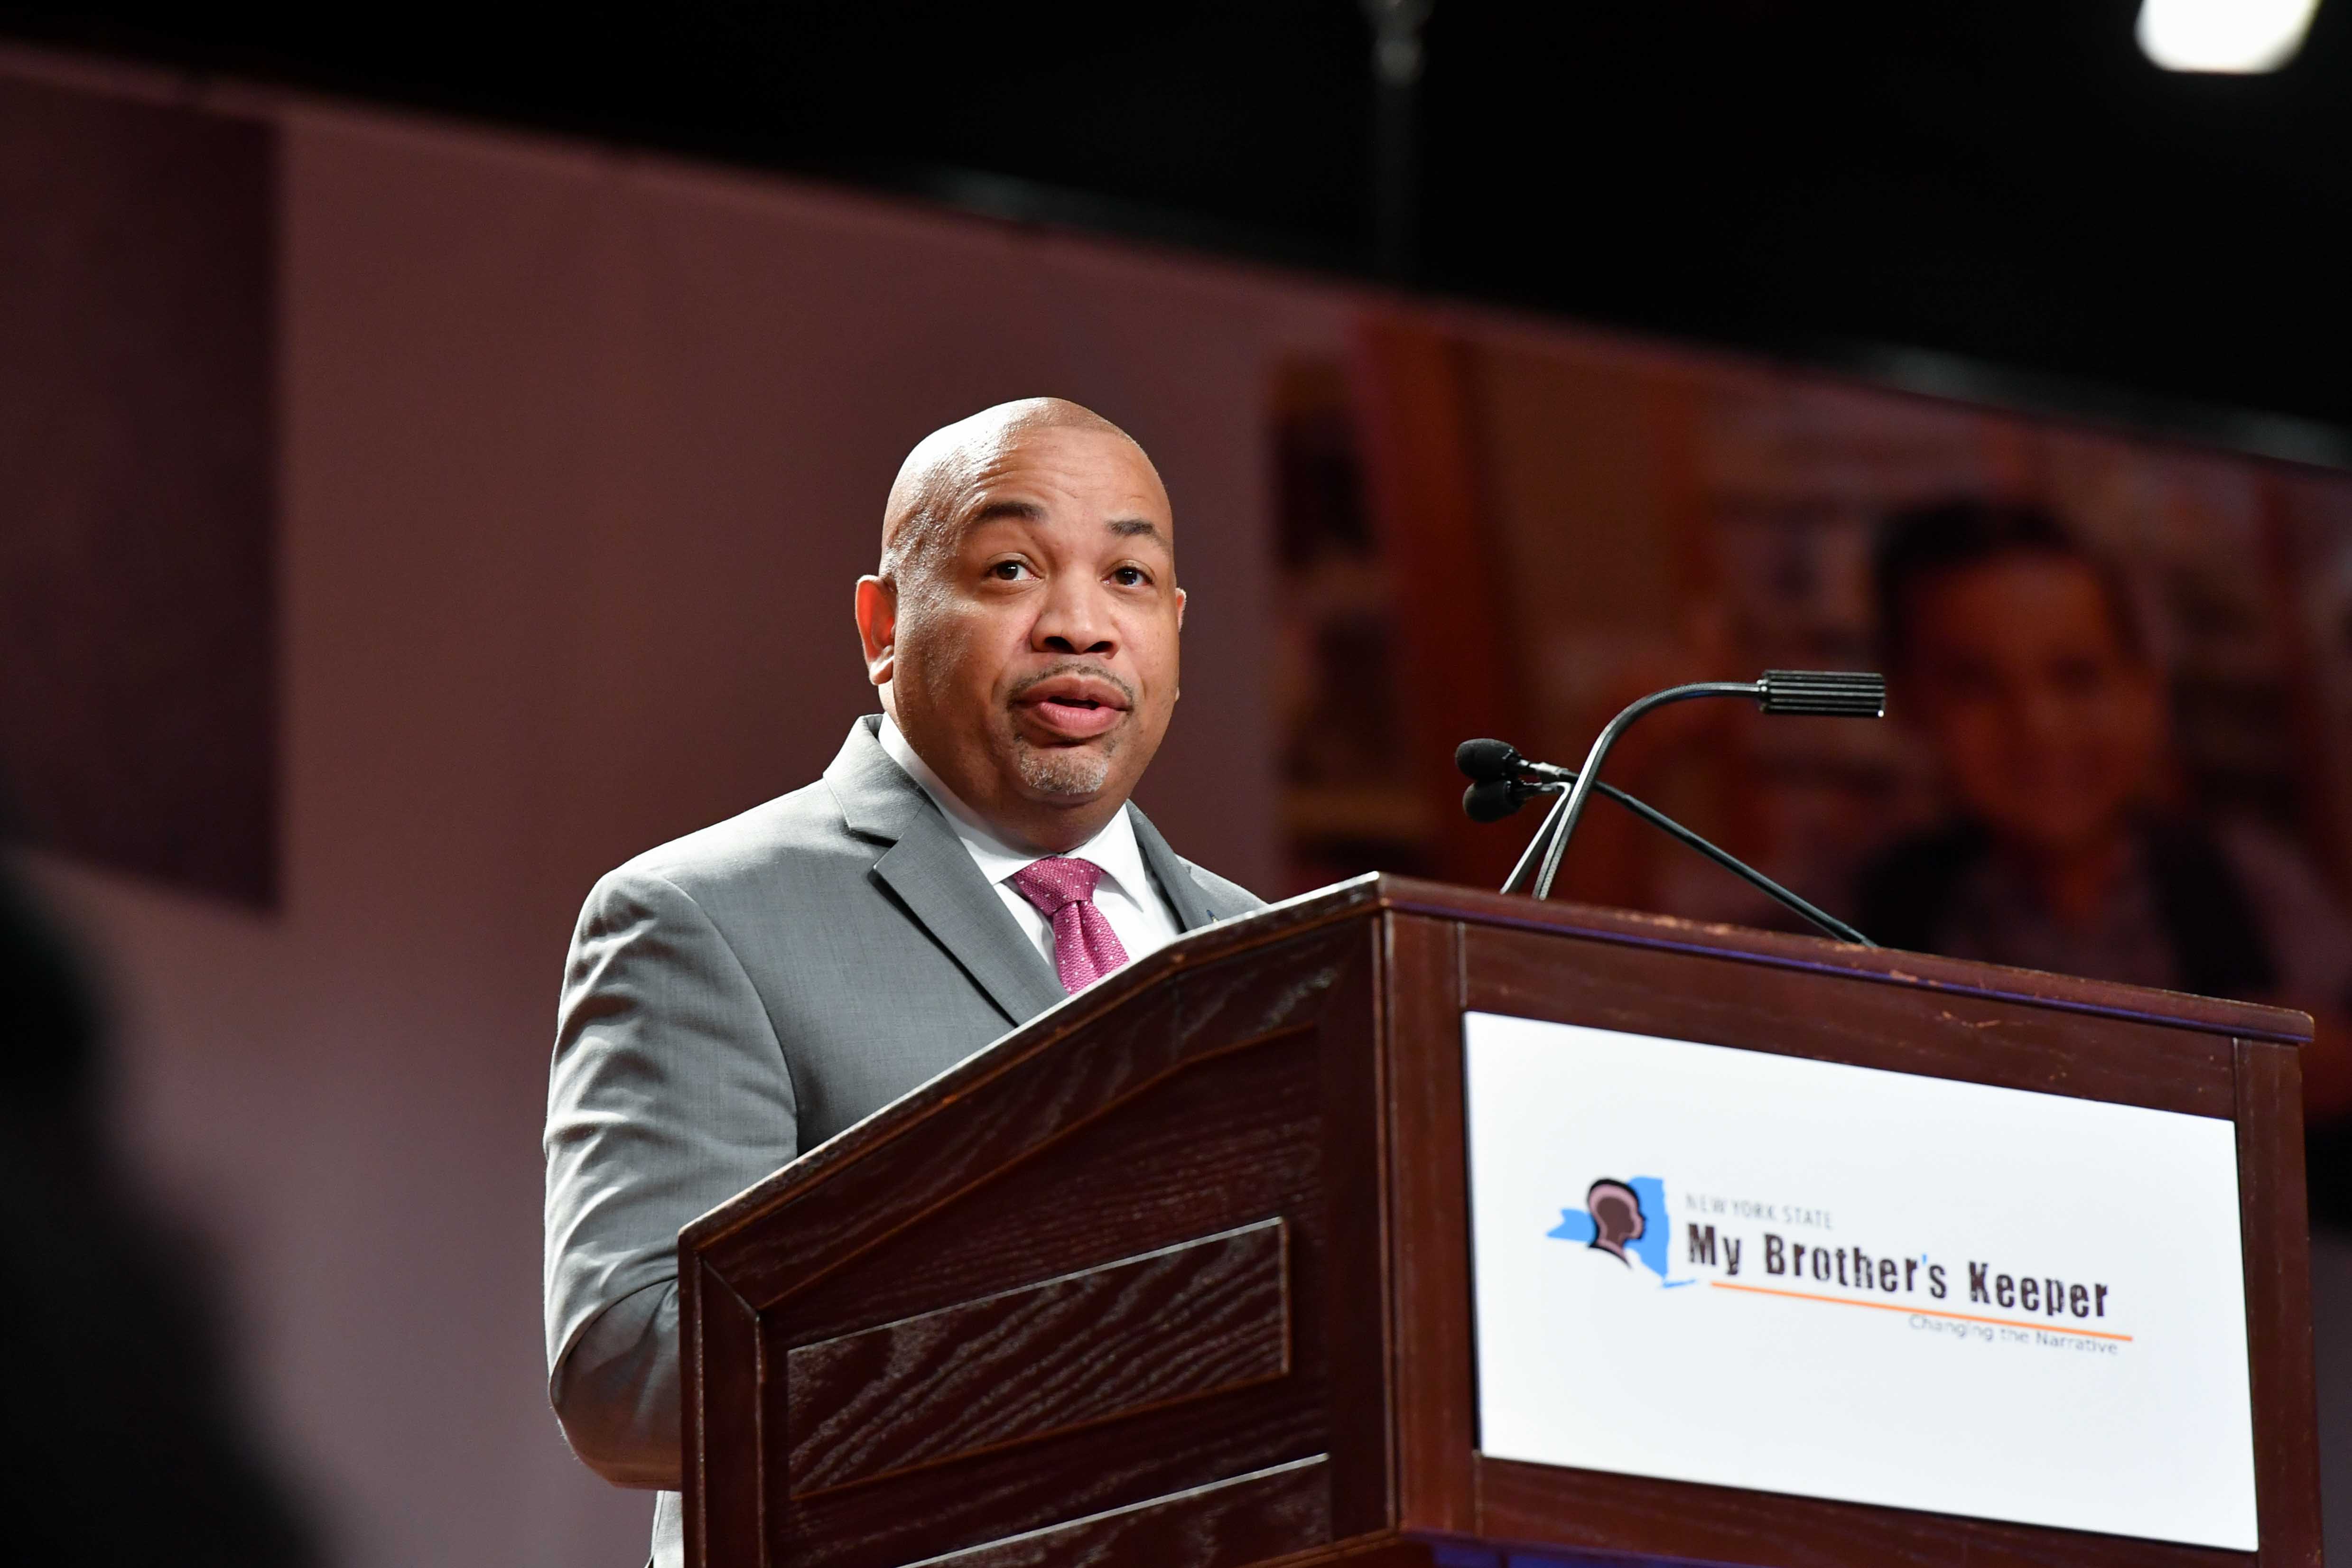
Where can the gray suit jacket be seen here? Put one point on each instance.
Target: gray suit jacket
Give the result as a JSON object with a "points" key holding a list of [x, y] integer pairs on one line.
{"points": [[732, 999]]}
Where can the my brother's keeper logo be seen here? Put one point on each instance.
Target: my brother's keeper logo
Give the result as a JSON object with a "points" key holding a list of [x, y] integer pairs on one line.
{"points": [[1628, 1220], [1855, 1269]]}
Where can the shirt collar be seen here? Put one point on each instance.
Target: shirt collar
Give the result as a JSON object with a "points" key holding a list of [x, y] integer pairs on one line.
{"points": [[1113, 848]]}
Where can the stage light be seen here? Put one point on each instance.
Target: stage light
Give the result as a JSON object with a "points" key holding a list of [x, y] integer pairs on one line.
{"points": [[2237, 37]]}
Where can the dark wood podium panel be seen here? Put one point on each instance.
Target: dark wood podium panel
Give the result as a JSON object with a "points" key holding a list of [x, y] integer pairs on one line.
{"points": [[1179, 1274], [1105, 1281], [1187, 1321]]}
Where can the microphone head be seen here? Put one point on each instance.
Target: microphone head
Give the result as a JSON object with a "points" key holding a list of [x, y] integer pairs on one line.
{"points": [[1826, 694], [1492, 800], [1486, 759]]}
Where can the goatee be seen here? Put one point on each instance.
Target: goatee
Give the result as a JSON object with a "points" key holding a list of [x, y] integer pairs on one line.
{"points": [[1062, 770]]}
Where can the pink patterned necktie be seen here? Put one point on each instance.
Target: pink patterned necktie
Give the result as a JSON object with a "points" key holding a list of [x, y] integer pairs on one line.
{"points": [[1062, 888]]}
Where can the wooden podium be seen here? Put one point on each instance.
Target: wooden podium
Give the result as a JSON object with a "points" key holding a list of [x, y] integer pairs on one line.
{"points": [[1179, 1274]]}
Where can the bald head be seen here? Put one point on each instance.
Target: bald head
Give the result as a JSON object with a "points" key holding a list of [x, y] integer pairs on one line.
{"points": [[1023, 627], [940, 474]]}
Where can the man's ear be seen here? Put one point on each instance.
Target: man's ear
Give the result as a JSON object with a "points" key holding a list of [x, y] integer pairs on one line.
{"points": [[1179, 609], [878, 626]]}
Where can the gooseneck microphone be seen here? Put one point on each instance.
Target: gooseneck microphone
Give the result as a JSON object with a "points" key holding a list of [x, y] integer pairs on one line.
{"points": [[1502, 781], [1488, 761]]}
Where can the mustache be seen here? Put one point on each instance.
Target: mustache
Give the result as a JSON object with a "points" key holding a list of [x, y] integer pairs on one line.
{"points": [[1071, 667]]}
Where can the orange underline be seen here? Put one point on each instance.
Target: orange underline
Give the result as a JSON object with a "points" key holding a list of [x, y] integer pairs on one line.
{"points": [[1916, 1311]]}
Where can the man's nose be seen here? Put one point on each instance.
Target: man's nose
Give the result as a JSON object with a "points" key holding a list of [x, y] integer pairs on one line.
{"points": [[1075, 619]]}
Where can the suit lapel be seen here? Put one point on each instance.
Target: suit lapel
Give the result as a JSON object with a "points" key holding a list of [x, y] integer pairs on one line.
{"points": [[932, 876], [1176, 886]]}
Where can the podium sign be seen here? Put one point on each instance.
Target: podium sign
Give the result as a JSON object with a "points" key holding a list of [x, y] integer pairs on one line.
{"points": [[1705, 1264]]}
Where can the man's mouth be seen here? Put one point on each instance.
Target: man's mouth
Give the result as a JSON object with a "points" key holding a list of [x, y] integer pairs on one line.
{"points": [[1069, 709]]}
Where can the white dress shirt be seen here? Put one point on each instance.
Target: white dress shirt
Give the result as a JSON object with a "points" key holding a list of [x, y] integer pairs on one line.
{"points": [[1125, 896]]}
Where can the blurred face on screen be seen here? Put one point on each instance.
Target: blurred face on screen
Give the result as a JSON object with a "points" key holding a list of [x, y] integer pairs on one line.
{"points": [[2047, 722], [1024, 629]]}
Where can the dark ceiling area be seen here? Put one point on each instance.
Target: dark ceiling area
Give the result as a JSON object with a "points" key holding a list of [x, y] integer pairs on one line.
{"points": [[2000, 199]]}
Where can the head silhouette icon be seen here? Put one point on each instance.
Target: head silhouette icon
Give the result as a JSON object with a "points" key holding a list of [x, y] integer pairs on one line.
{"points": [[1617, 1216]]}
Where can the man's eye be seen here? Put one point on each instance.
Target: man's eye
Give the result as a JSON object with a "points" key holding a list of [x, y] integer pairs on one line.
{"points": [[1129, 576], [1007, 571]]}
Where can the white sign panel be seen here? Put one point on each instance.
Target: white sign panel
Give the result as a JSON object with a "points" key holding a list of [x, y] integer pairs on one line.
{"points": [[1792, 1276]]}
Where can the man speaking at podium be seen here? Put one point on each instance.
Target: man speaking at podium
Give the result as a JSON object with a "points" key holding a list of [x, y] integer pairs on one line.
{"points": [[742, 995]]}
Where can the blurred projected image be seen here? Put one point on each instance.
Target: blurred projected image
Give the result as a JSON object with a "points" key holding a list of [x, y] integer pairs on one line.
{"points": [[2122, 670], [2023, 659]]}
